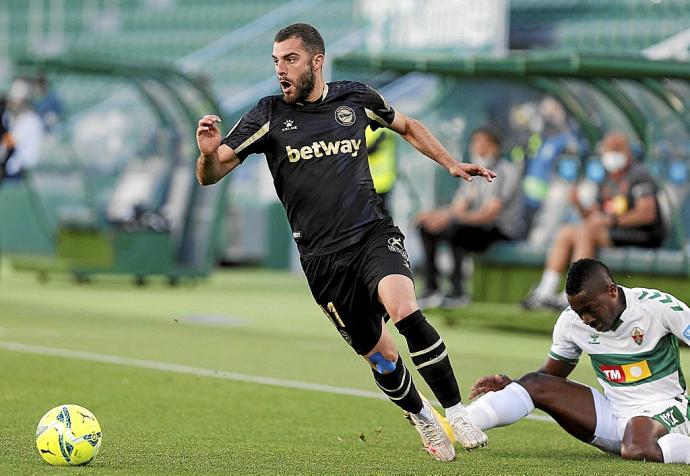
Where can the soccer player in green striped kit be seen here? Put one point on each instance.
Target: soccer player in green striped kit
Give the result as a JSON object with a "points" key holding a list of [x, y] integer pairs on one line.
{"points": [[631, 336]]}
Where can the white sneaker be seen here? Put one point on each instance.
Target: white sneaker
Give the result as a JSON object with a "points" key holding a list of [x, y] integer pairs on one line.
{"points": [[469, 435], [437, 435]]}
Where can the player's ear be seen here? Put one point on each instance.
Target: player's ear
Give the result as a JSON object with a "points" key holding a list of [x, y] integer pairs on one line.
{"points": [[317, 61], [612, 289]]}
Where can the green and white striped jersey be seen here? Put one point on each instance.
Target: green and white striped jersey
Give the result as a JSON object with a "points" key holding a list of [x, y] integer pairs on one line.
{"points": [[637, 362]]}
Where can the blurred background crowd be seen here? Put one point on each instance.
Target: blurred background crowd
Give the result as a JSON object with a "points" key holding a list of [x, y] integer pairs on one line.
{"points": [[581, 106]]}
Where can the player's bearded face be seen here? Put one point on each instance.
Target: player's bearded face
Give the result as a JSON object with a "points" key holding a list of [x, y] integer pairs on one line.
{"points": [[298, 89]]}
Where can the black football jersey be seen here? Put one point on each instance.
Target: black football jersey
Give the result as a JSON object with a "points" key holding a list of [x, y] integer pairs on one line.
{"points": [[317, 154]]}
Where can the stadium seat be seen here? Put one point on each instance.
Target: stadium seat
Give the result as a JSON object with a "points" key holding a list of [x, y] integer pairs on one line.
{"points": [[620, 25]]}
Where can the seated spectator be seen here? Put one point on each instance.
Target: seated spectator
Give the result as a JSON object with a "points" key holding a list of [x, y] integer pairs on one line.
{"points": [[625, 213], [479, 215]]}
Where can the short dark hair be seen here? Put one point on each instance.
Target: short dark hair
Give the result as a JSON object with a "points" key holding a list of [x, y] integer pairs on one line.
{"points": [[491, 132], [310, 36], [582, 271]]}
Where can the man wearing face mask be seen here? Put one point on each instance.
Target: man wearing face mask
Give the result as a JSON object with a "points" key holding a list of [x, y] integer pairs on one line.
{"points": [[477, 217], [626, 213]]}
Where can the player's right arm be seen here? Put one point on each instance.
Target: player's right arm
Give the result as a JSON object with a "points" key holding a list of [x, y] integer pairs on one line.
{"points": [[494, 383], [215, 160], [561, 361], [557, 368], [421, 138]]}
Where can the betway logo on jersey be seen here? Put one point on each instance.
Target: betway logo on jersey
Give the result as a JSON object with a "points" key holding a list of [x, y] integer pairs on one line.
{"points": [[628, 373], [321, 148]]}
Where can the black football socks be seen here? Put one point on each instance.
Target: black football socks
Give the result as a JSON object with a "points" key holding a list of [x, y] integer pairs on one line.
{"points": [[430, 357], [398, 386]]}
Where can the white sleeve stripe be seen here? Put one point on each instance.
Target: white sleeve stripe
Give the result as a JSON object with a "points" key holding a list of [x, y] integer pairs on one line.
{"points": [[255, 137], [233, 127], [556, 356], [372, 115]]}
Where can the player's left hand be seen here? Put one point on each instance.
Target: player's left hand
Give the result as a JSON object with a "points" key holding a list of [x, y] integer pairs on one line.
{"points": [[489, 383], [467, 171]]}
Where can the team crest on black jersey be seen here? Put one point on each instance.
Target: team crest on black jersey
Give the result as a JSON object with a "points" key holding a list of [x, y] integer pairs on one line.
{"points": [[345, 115]]}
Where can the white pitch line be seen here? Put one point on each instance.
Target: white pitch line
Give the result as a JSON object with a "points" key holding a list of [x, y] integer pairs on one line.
{"points": [[197, 371]]}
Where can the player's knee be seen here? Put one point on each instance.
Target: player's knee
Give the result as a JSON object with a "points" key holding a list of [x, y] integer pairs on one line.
{"points": [[536, 385], [384, 362], [642, 452], [402, 309]]}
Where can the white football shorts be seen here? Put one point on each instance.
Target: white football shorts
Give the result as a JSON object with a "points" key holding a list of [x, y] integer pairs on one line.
{"points": [[672, 413]]}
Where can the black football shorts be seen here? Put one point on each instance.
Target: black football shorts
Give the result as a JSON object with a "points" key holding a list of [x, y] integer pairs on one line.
{"points": [[344, 284]]}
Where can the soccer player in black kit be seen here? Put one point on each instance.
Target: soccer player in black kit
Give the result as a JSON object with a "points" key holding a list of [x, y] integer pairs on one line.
{"points": [[352, 254]]}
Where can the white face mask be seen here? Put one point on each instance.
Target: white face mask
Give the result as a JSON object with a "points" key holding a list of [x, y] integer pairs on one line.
{"points": [[614, 161]]}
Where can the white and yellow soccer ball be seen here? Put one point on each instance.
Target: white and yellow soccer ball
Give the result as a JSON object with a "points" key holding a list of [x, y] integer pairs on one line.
{"points": [[68, 435]]}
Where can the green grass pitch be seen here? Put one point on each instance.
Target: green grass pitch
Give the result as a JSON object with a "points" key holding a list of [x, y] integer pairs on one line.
{"points": [[259, 324]]}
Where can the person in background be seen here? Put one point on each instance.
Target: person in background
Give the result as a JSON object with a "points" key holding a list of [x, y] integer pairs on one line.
{"points": [[382, 152], [477, 217], [626, 213], [26, 129], [6, 140], [47, 103]]}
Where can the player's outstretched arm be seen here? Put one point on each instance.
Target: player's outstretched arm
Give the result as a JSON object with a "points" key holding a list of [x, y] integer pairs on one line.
{"points": [[497, 382], [489, 383], [424, 141], [215, 160]]}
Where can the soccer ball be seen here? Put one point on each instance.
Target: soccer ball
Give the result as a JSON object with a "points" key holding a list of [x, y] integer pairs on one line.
{"points": [[68, 435]]}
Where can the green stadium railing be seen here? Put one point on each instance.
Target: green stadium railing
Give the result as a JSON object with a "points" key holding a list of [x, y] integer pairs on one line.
{"points": [[101, 248]]}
